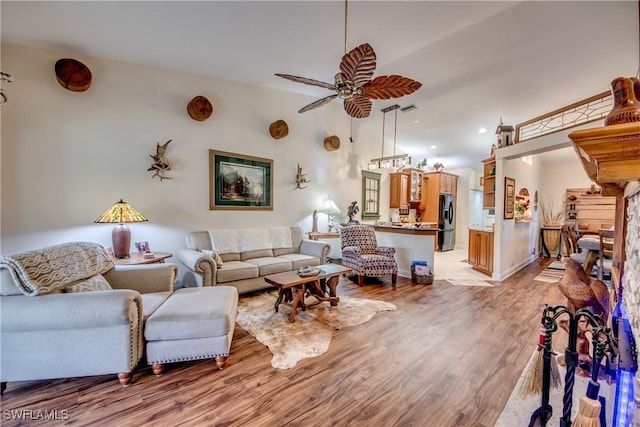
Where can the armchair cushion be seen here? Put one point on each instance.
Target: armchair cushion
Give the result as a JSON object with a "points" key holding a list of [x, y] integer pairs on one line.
{"points": [[386, 251], [95, 283]]}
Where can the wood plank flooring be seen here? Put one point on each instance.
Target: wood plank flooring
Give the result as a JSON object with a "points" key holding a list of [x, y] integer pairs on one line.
{"points": [[448, 356]]}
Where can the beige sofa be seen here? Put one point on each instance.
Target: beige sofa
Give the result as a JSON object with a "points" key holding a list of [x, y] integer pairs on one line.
{"points": [[247, 255], [47, 332]]}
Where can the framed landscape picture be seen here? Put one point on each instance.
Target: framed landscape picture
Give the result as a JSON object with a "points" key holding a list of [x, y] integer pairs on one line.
{"points": [[509, 197], [239, 182]]}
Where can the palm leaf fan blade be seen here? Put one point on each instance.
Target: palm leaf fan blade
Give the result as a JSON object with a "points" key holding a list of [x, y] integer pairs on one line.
{"points": [[359, 107], [358, 64], [307, 81], [388, 87], [318, 103]]}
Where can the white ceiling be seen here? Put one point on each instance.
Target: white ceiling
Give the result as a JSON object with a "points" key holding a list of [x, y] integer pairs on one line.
{"points": [[477, 61]]}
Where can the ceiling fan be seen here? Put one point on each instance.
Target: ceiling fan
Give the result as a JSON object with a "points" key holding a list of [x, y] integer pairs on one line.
{"points": [[353, 83]]}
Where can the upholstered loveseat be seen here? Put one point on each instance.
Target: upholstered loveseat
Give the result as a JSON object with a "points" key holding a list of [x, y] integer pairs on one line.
{"points": [[49, 332], [245, 256]]}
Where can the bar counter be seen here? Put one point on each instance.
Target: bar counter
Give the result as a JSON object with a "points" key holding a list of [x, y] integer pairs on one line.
{"points": [[412, 244]]}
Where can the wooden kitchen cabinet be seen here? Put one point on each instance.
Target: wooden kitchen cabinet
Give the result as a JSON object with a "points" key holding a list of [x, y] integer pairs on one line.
{"points": [[399, 190], [434, 184], [489, 184], [481, 251], [415, 185], [430, 202], [448, 183], [445, 183]]}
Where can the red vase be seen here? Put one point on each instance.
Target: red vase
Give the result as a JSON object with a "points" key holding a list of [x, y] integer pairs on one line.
{"points": [[626, 107]]}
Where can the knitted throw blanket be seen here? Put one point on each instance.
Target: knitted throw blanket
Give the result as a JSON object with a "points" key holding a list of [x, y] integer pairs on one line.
{"points": [[43, 270]]}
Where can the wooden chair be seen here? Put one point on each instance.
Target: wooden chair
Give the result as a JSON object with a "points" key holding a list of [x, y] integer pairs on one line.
{"points": [[570, 242], [606, 252]]}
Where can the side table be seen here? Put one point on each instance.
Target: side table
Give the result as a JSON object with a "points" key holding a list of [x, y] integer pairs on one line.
{"points": [[319, 236], [547, 235], [137, 259], [330, 235]]}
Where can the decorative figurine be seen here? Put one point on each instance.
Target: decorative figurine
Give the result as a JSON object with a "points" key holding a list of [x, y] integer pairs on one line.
{"points": [[504, 134], [438, 167], [160, 163], [352, 210], [314, 227]]}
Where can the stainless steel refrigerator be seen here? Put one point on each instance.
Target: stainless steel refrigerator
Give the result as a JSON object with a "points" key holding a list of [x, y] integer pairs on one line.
{"points": [[446, 213]]}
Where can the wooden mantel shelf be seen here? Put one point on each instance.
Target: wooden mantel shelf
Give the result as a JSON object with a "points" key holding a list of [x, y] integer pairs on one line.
{"points": [[610, 155]]}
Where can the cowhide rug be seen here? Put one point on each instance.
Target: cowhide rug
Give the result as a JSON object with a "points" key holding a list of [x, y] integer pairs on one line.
{"points": [[310, 334]]}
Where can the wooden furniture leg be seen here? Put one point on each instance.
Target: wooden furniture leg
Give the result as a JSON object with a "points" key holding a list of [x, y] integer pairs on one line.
{"points": [[278, 300], [332, 284], [221, 361], [317, 289], [298, 295], [125, 378], [158, 369], [360, 280]]}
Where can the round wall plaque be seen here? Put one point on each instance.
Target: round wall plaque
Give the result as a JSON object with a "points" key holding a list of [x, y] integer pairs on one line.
{"points": [[73, 75], [278, 129], [199, 108], [331, 143]]}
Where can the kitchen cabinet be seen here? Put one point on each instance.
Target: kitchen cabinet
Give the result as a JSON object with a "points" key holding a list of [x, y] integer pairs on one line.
{"points": [[399, 190], [434, 184], [448, 183], [489, 184], [415, 185], [481, 250]]}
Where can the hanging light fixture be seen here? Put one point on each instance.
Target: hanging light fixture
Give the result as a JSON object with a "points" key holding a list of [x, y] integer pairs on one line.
{"points": [[398, 161]]}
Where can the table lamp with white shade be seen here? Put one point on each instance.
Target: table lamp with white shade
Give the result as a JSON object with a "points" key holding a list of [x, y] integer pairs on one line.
{"points": [[120, 213], [329, 207]]}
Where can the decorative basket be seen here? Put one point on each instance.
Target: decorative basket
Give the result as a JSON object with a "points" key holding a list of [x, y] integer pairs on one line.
{"points": [[421, 279]]}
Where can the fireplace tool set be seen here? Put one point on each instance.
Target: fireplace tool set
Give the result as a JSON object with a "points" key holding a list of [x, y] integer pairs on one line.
{"points": [[592, 407]]}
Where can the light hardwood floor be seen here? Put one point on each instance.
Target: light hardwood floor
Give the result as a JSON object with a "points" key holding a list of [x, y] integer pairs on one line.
{"points": [[448, 356]]}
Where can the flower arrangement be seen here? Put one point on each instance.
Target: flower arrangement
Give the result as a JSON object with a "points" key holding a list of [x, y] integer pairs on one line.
{"points": [[522, 206]]}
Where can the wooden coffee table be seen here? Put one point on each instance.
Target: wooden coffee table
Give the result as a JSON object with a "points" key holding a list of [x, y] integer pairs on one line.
{"points": [[293, 288]]}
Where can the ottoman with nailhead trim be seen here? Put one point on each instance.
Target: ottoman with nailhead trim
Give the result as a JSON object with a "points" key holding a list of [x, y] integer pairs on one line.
{"points": [[193, 323]]}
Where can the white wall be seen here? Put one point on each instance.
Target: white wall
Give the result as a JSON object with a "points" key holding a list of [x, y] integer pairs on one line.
{"points": [[467, 179], [557, 177], [515, 242], [67, 156]]}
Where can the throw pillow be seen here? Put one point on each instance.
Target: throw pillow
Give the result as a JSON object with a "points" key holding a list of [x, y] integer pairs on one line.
{"points": [[215, 256], [95, 283]]}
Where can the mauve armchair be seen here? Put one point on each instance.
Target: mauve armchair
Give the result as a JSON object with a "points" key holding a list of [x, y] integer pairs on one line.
{"points": [[361, 253]]}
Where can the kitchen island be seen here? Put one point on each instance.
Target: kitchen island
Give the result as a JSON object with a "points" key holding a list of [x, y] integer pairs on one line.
{"points": [[412, 244]]}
